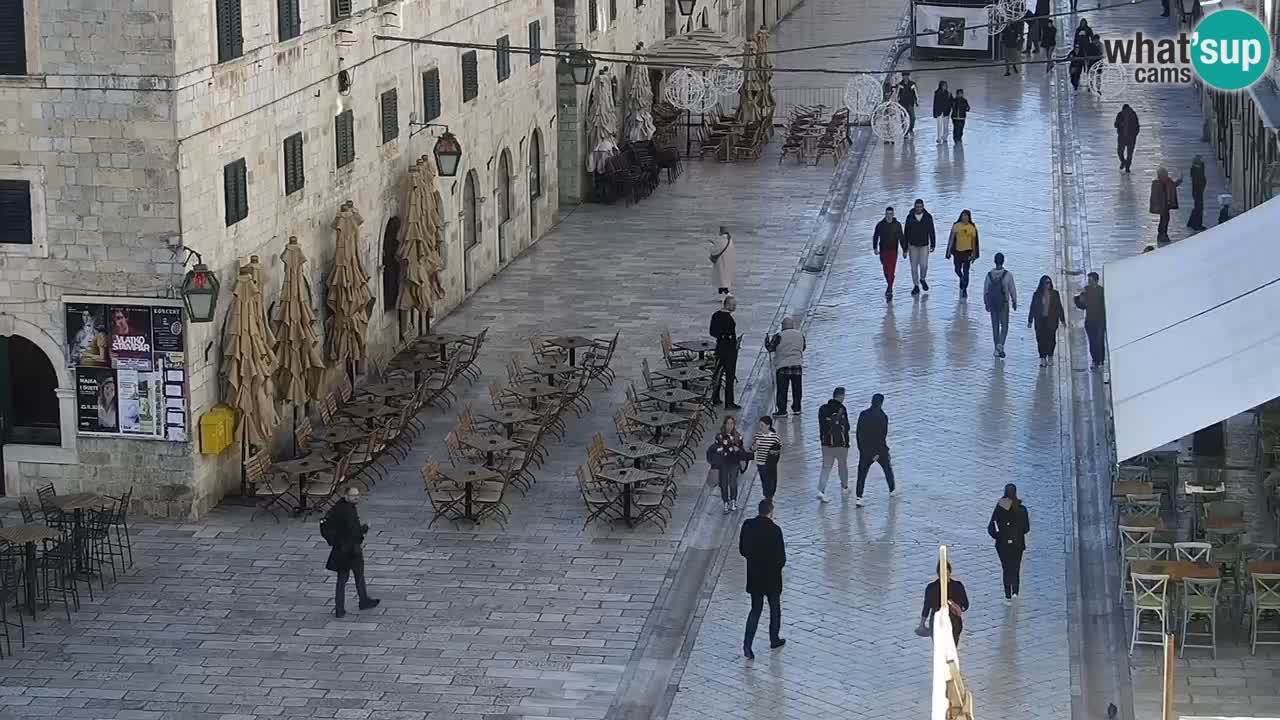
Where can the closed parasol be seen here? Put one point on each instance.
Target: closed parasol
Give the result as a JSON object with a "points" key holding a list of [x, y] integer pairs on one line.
{"points": [[421, 261], [602, 122], [639, 104], [756, 103], [349, 299], [297, 339], [248, 361]]}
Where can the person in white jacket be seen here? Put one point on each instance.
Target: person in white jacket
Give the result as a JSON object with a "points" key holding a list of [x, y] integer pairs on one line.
{"points": [[788, 349], [999, 295], [724, 261]]}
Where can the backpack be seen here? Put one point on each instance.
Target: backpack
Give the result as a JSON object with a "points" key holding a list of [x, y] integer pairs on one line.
{"points": [[993, 295], [328, 531]]}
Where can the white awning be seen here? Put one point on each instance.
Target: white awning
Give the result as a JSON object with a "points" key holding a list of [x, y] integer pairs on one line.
{"points": [[700, 48], [1193, 331]]}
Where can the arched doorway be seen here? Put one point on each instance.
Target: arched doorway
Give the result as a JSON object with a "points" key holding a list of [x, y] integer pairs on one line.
{"points": [[28, 401], [535, 181], [391, 265], [470, 225], [504, 207]]}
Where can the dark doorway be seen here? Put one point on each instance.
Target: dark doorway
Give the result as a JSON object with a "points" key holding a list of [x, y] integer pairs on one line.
{"points": [[391, 265], [28, 401]]}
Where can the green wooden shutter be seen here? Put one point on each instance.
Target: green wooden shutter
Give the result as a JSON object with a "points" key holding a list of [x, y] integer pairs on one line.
{"points": [[13, 38], [470, 76], [503, 63], [235, 190], [289, 18], [230, 30], [535, 42], [341, 9], [390, 115], [344, 137], [294, 174], [15, 212], [593, 15], [430, 95]]}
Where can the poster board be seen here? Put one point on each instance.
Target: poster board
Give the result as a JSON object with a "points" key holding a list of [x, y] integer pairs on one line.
{"points": [[129, 359], [961, 30]]}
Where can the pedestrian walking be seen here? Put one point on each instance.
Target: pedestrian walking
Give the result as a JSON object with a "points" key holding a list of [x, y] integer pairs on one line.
{"points": [[1009, 526], [344, 532], [1011, 38], [1076, 61], [959, 113], [1224, 208], [1093, 302], [962, 248], [1083, 35], [1198, 182], [886, 241], [724, 261], [766, 450], [1127, 129], [1046, 316], [1042, 13], [1164, 200], [909, 98], [727, 455], [957, 604], [998, 294], [872, 433], [1030, 32], [920, 240], [1048, 41], [788, 349], [941, 111], [725, 331], [760, 542], [833, 433]]}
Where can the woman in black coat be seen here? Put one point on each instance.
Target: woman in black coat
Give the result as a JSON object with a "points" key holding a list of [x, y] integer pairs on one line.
{"points": [[1009, 526], [941, 110], [760, 542], [728, 454], [1045, 316], [957, 604]]}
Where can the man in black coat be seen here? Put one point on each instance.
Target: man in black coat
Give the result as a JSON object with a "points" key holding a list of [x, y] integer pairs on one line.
{"points": [[761, 544], [1198, 183], [347, 553], [1127, 128], [1012, 41], [908, 98], [918, 240], [872, 433], [725, 331]]}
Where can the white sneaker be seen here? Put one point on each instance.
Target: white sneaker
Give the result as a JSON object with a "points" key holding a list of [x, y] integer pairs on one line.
{"points": [[1008, 602], [844, 489], [859, 502], [733, 505], [726, 508], [1015, 597], [893, 494], [823, 497]]}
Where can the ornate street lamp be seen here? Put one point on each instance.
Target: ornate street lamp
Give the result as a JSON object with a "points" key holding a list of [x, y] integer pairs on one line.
{"points": [[686, 6], [448, 153], [200, 291], [581, 65]]}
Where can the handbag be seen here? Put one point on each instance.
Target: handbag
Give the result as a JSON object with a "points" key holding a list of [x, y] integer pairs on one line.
{"points": [[923, 628]]}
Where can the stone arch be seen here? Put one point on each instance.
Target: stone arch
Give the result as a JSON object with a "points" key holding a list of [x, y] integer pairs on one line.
{"points": [[65, 395], [51, 347]]}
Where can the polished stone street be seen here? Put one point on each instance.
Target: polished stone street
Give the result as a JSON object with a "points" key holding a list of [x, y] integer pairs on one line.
{"points": [[229, 618]]}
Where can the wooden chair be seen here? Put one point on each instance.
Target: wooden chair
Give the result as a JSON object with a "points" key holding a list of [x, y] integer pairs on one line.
{"points": [[276, 489], [447, 498], [323, 492]]}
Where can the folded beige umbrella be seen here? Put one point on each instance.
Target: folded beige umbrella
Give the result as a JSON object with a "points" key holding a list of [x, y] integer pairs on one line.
{"points": [[349, 299], [419, 252], [297, 338], [248, 361]]}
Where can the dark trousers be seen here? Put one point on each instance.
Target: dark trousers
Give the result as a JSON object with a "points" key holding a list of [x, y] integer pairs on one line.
{"points": [[1011, 60], [1010, 568], [768, 479], [340, 592], [727, 361], [753, 617], [1124, 149], [911, 113], [1097, 334], [782, 379], [1162, 231], [957, 129], [1196, 221], [865, 458], [1047, 337], [962, 259], [1075, 73]]}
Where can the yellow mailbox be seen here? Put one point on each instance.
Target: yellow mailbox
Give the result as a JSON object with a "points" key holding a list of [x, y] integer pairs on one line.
{"points": [[217, 430]]}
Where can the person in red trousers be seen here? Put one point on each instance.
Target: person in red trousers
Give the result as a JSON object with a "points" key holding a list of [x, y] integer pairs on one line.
{"points": [[886, 241]]}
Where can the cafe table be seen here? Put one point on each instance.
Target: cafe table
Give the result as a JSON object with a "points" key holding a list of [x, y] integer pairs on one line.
{"points": [[466, 475], [702, 347], [682, 375], [27, 536], [637, 451], [1142, 521], [656, 421], [1196, 493], [533, 391], [341, 434], [300, 468], [489, 444], [627, 478], [417, 364], [570, 343], [1177, 570], [671, 396], [389, 389], [509, 418], [75, 504], [441, 341], [1122, 488], [1264, 567], [369, 410], [550, 370]]}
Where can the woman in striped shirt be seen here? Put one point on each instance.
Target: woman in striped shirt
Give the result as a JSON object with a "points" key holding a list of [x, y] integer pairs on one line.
{"points": [[766, 448]]}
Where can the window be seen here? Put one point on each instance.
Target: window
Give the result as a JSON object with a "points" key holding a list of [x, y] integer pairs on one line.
{"points": [[391, 265], [593, 15], [15, 212], [470, 213], [341, 9], [535, 165], [504, 57], [13, 38], [344, 137], [504, 187], [230, 36], [639, 3], [470, 76], [294, 177], [235, 190], [430, 95], [390, 116], [289, 18], [613, 11], [535, 42]]}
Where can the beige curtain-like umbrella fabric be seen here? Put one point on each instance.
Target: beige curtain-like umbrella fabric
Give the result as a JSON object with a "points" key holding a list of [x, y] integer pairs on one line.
{"points": [[248, 361], [349, 295], [421, 261], [756, 103], [297, 338], [639, 100]]}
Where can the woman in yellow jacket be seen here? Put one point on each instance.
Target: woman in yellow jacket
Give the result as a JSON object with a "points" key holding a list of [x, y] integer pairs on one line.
{"points": [[962, 248]]}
